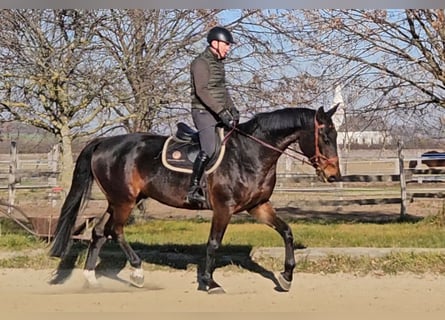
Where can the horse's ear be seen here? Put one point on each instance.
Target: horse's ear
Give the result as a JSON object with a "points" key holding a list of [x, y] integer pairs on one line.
{"points": [[331, 111], [320, 114]]}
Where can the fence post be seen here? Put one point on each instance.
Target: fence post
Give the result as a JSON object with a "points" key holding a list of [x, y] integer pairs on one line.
{"points": [[53, 161], [12, 175], [402, 181]]}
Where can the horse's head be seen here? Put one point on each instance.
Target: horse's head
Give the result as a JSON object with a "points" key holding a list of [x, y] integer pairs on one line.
{"points": [[319, 144]]}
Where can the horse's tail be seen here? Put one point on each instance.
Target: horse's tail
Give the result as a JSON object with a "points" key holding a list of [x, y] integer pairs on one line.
{"points": [[80, 189]]}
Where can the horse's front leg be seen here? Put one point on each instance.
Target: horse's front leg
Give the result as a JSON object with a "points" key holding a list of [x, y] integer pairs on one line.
{"points": [[265, 213], [220, 220]]}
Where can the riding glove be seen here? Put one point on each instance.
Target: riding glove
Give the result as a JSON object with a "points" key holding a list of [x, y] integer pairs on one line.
{"points": [[226, 117], [235, 114]]}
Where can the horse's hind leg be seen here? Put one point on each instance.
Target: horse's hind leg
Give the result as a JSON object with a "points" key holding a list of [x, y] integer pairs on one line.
{"points": [[137, 276], [97, 241], [265, 213]]}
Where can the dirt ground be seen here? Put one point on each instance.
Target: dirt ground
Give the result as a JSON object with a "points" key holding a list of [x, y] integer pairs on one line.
{"points": [[26, 290], [166, 291]]}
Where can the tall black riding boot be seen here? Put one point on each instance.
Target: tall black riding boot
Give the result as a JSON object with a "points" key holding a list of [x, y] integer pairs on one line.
{"points": [[195, 194]]}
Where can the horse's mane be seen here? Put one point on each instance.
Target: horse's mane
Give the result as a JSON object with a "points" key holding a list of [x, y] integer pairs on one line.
{"points": [[280, 120]]}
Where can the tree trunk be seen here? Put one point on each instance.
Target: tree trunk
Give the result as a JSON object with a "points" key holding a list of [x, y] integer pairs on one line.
{"points": [[67, 165]]}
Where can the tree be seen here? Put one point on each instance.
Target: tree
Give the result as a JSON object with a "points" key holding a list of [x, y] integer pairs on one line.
{"points": [[267, 70], [153, 49], [391, 62], [81, 73], [55, 76]]}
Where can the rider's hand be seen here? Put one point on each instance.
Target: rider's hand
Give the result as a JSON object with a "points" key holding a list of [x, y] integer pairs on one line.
{"points": [[235, 113], [226, 118]]}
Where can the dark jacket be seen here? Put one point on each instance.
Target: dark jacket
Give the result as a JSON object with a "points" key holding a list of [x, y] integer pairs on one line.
{"points": [[208, 82]]}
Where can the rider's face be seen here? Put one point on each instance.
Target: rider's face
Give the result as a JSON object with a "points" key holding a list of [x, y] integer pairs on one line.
{"points": [[221, 48]]}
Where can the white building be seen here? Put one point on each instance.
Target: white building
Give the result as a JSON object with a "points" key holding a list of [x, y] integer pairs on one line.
{"points": [[357, 130], [366, 137]]}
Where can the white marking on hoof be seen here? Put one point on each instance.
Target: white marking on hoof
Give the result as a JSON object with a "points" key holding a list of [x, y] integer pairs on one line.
{"points": [[284, 284], [137, 278], [216, 290], [90, 276]]}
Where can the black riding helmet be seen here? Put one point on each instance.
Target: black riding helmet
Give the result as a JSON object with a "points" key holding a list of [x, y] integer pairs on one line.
{"points": [[220, 34]]}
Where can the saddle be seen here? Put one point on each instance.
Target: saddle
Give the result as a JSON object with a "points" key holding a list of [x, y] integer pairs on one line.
{"points": [[180, 150]]}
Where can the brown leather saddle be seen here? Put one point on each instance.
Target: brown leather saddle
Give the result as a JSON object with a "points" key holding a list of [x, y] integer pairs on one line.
{"points": [[180, 150]]}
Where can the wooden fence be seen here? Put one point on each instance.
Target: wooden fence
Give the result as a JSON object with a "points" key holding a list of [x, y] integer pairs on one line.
{"points": [[37, 171], [366, 181]]}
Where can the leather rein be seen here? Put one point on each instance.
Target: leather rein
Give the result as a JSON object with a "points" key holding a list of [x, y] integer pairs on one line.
{"points": [[318, 161]]}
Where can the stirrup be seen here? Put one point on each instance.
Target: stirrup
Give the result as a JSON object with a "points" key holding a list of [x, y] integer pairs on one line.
{"points": [[195, 195]]}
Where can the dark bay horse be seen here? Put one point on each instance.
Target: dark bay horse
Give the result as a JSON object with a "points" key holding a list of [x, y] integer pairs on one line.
{"points": [[431, 159], [128, 168]]}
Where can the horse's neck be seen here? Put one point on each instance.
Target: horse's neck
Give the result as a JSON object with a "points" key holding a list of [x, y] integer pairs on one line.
{"points": [[282, 135], [279, 142], [266, 148]]}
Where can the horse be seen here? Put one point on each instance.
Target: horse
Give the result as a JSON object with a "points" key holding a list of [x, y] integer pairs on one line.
{"points": [[128, 168], [431, 159]]}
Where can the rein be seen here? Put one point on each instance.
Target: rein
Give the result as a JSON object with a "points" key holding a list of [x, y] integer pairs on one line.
{"points": [[267, 145], [319, 161]]}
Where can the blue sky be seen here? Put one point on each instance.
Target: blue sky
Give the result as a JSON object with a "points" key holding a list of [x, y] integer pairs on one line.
{"points": [[164, 4]]}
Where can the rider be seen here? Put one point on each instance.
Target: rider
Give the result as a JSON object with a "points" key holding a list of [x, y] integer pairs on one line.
{"points": [[211, 102]]}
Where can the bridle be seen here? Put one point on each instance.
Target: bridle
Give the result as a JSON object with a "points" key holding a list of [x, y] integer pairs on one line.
{"points": [[318, 161]]}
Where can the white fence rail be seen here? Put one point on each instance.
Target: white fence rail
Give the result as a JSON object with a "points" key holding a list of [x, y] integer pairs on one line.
{"points": [[365, 181]]}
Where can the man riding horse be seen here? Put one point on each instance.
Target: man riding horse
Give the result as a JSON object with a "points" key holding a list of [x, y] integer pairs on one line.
{"points": [[211, 103]]}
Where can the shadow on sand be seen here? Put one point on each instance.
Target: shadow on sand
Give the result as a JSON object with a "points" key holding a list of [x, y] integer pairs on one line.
{"points": [[182, 257]]}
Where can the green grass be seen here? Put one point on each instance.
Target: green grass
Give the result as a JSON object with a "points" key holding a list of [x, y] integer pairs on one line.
{"points": [[393, 263], [429, 233], [189, 237], [14, 238], [421, 234], [16, 242]]}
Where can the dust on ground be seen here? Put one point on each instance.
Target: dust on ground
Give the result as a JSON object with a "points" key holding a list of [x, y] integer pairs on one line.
{"points": [[25, 290]]}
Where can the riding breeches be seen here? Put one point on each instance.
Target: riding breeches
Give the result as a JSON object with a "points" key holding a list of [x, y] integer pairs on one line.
{"points": [[205, 123]]}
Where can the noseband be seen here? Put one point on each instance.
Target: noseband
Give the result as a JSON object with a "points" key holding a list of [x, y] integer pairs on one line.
{"points": [[319, 161]]}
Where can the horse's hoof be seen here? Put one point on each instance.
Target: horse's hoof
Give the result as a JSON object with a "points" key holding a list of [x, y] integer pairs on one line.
{"points": [[284, 284], [213, 287], [216, 290], [137, 281], [56, 278], [90, 277], [137, 278]]}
